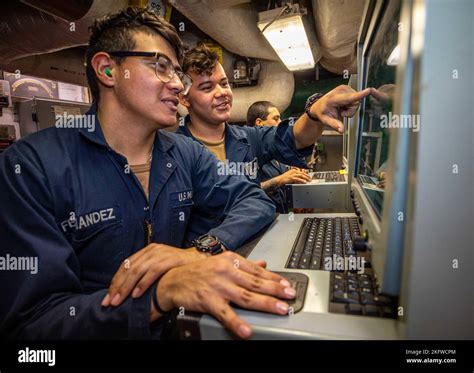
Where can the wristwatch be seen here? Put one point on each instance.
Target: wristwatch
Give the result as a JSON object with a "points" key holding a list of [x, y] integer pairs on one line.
{"points": [[309, 102], [209, 245]]}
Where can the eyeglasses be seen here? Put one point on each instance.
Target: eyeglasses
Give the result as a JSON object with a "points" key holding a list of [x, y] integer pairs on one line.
{"points": [[165, 71]]}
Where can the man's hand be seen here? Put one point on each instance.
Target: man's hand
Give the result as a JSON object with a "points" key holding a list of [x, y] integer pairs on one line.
{"points": [[138, 272], [342, 101], [210, 285], [294, 176]]}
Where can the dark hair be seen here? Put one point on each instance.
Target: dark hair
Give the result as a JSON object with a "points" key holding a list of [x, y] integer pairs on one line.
{"points": [[200, 60], [258, 109], [115, 32]]}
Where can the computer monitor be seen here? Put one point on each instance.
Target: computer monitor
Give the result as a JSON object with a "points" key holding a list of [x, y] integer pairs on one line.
{"points": [[434, 235], [379, 195], [377, 109]]}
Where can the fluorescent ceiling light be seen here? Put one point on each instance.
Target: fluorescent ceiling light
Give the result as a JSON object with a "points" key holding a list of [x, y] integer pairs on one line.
{"points": [[394, 57], [288, 38]]}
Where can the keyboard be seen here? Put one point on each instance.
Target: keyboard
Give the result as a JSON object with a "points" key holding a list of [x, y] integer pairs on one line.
{"points": [[329, 176], [357, 294], [367, 180], [353, 290], [323, 241]]}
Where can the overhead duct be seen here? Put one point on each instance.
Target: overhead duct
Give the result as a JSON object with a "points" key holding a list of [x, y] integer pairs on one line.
{"points": [[234, 27], [66, 10], [222, 21], [337, 26], [275, 84], [28, 31]]}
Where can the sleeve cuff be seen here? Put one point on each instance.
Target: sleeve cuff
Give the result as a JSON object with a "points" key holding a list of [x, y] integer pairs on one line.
{"points": [[285, 144], [225, 238], [139, 318]]}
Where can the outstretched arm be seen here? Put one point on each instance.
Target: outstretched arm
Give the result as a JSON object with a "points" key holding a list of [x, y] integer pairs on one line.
{"points": [[341, 102]]}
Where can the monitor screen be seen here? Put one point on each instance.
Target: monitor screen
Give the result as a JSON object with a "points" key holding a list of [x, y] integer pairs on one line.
{"points": [[380, 66]]}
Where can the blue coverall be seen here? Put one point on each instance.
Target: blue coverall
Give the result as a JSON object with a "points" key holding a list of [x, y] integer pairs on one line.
{"points": [[67, 199]]}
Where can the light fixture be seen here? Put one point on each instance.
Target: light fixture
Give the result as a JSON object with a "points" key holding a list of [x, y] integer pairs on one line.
{"points": [[284, 30]]}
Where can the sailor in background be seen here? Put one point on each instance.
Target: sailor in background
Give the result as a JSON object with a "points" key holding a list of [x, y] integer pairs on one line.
{"points": [[274, 175]]}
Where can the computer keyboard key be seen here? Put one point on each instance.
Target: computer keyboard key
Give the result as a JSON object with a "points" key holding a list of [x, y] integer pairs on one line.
{"points": [[383, 300], [351, 276], [315, 264], [352, 298], [367, 299], [352, 281], [339, 296], [303, 265], [354, 308], [371, 310], [388, 311], [293, 264], [352, 288]]}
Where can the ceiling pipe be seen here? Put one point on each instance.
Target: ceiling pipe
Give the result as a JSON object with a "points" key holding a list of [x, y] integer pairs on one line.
{"points": [[27, 31], [337, 26], [275, 84], [234, 27]]}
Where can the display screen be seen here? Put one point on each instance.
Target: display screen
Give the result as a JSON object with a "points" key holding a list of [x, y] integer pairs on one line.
{"points": [[381, 59]]}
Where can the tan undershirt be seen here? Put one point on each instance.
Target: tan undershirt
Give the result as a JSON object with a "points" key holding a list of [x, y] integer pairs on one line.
{"points": [[142, 172], [216, 148]]}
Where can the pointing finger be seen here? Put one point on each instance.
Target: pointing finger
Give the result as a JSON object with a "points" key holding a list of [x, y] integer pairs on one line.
{"points": [[341, 99]]}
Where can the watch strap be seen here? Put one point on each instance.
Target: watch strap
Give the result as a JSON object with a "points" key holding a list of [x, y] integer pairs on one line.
{"points": [[309, 103], [154, 297]]}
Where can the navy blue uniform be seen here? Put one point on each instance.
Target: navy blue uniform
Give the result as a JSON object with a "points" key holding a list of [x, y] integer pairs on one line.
{"points": [[278, 196], [253, 147], [67, 199], [259, 145]]}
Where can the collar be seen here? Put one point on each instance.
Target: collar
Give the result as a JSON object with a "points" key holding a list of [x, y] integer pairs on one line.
{"points": [[231, 131], [162, 142], [96, 136]]}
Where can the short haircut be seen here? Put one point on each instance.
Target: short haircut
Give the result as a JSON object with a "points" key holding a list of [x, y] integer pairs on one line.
{"points": [[200, 60], [116, 32], [259, 109]]}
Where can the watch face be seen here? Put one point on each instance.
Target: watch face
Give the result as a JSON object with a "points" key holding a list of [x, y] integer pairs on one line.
{"points": [[208, 241]]}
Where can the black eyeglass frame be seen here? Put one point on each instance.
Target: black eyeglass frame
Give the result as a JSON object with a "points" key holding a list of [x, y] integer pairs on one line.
{"points": [[156, 55]]}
